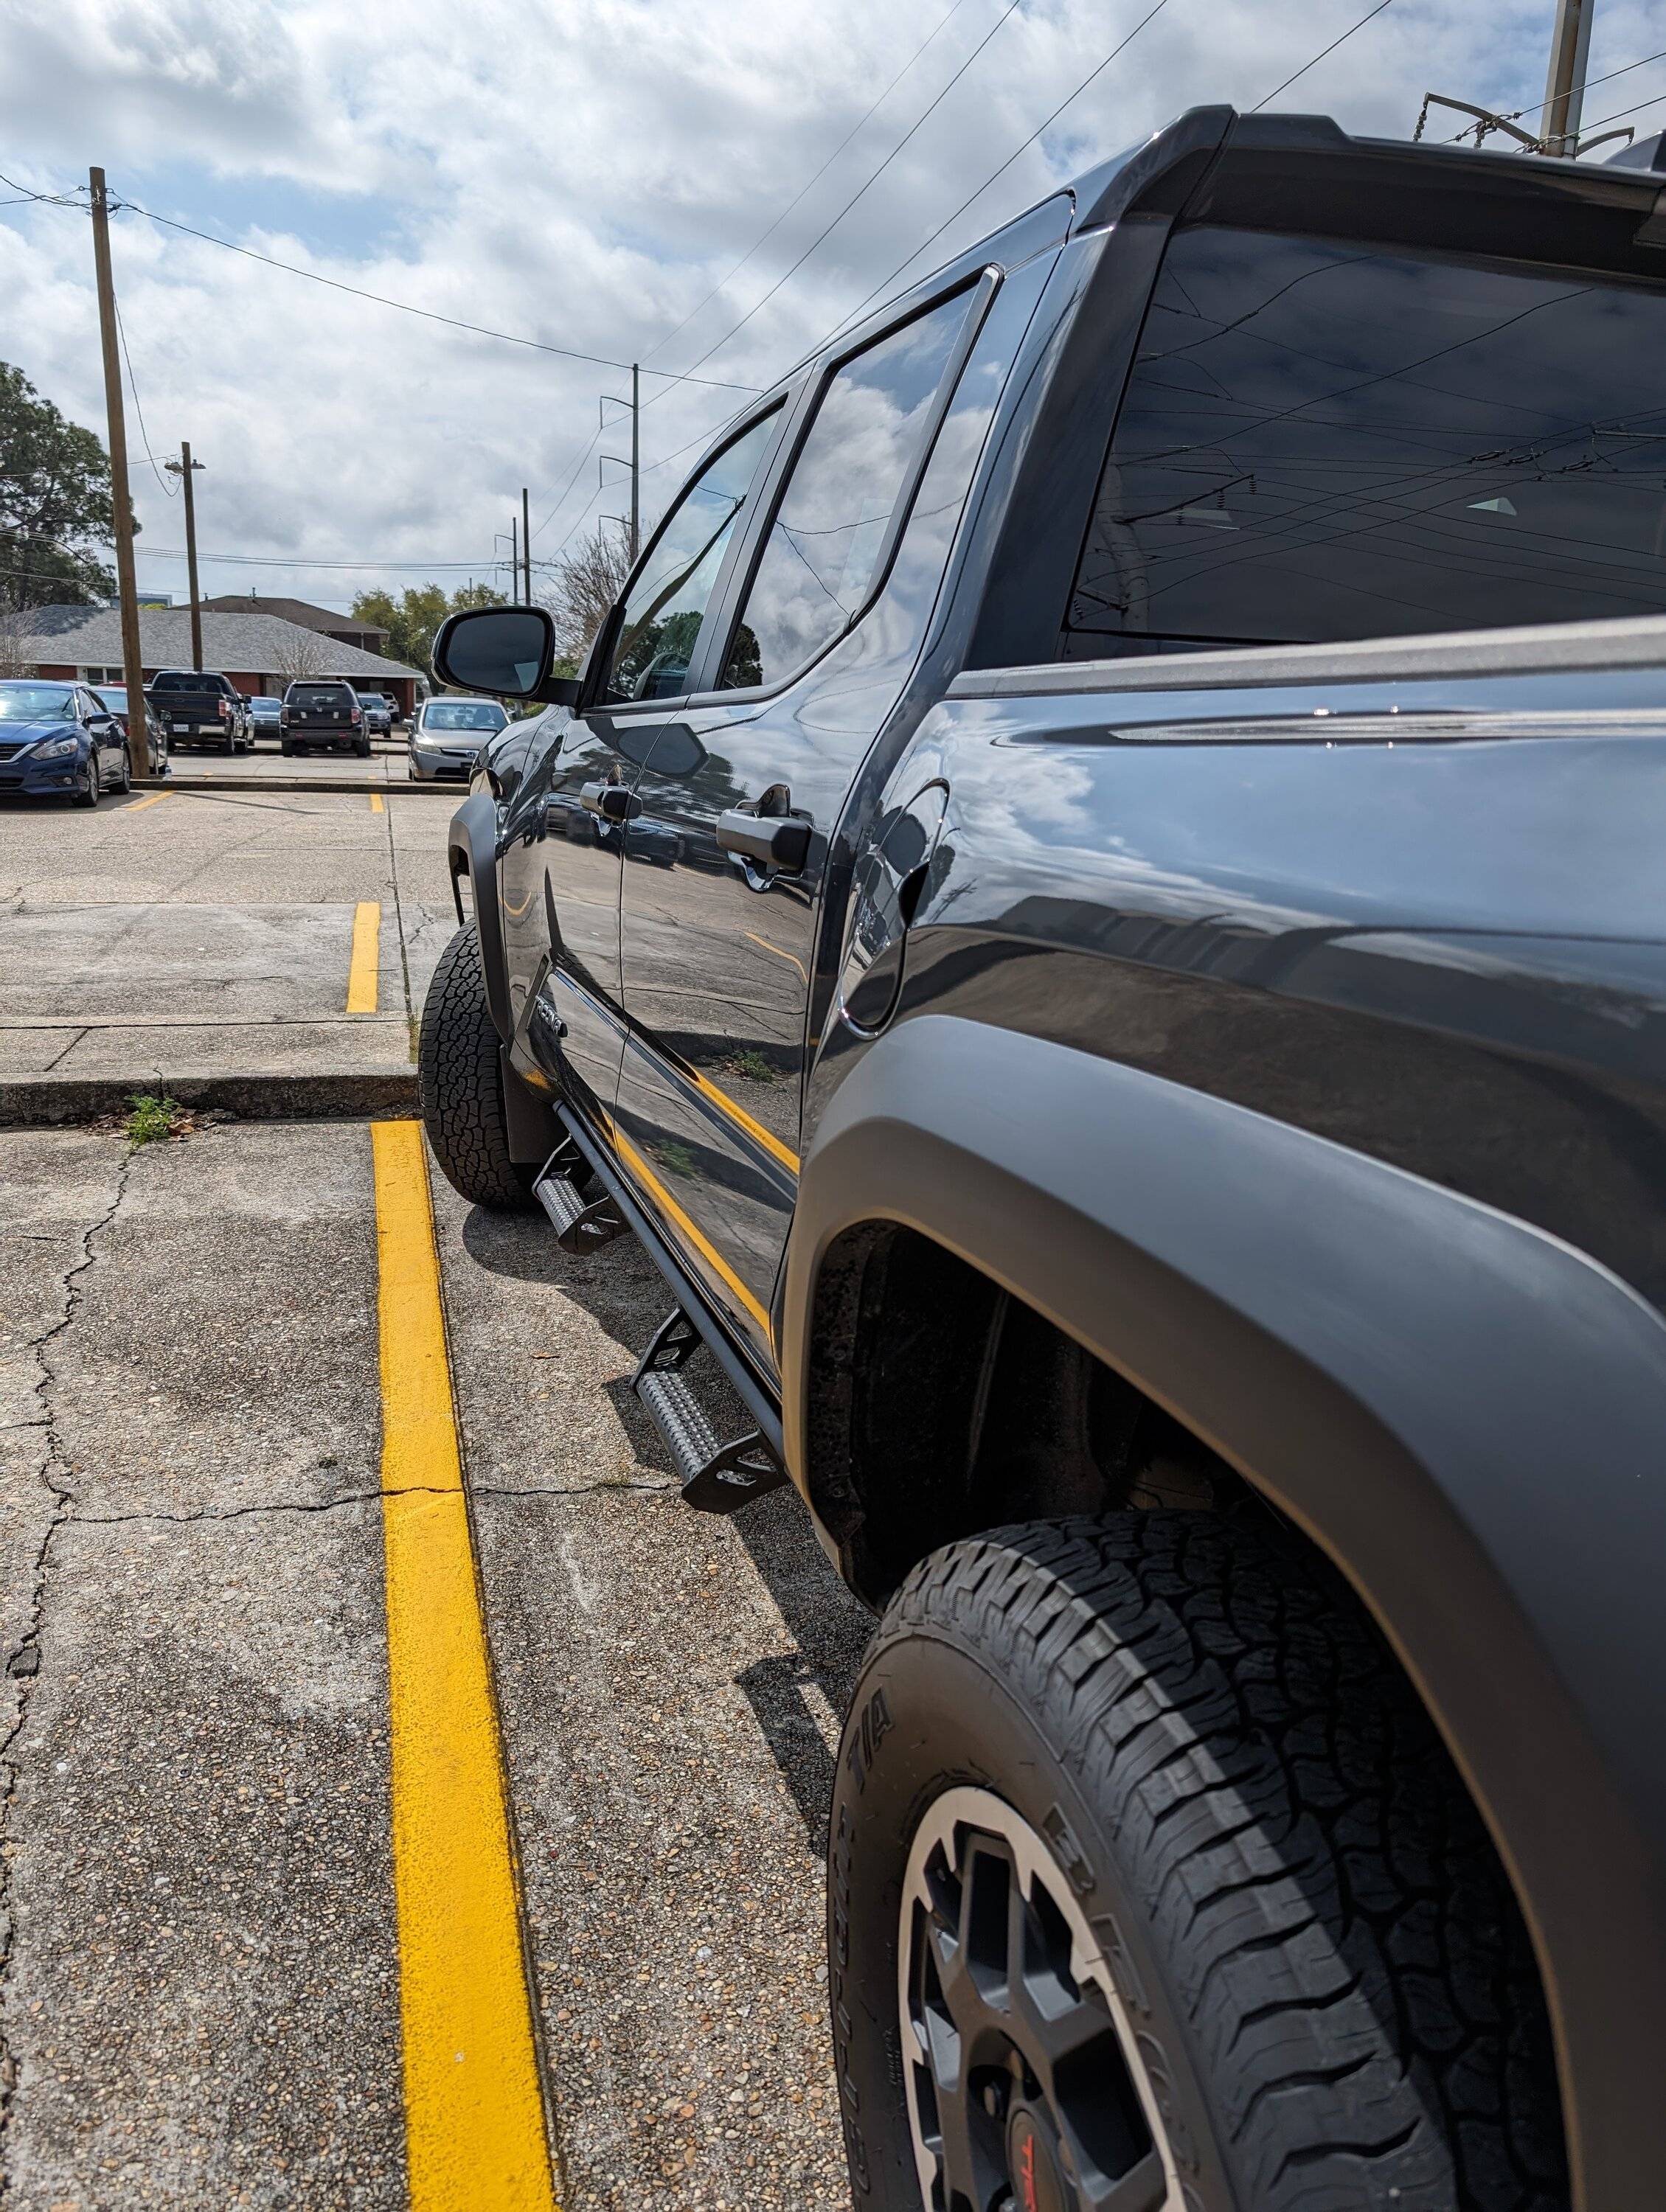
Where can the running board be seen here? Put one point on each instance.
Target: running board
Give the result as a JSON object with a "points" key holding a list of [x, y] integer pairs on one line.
{"points": [[582, 1225], [716, 1477]]}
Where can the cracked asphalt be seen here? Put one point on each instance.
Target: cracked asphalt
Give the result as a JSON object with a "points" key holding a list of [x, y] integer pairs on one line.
{"points": [[198, 1952]]}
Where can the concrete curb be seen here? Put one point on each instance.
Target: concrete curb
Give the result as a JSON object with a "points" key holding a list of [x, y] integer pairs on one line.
{"points": [[257, 784], [48, 1101]]}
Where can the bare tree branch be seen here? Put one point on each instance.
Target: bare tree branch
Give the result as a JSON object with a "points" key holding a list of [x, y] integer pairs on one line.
{"points": [[583, 586]]}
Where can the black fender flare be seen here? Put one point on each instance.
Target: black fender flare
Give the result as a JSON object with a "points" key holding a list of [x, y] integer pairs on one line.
{"points": [[1464, 1412], [472, 851]]}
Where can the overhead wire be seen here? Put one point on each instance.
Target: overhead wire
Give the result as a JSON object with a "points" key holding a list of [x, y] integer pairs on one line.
{"points": [[687, 375], [1097, 71], [171, 490], [1515, 114], [1370, 16]]}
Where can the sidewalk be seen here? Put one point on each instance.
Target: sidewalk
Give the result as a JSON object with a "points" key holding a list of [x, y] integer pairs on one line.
{"points": [[261, 952]]}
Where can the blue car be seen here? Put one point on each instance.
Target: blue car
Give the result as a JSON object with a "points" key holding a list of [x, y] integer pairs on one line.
{"points": [[60, 740]]}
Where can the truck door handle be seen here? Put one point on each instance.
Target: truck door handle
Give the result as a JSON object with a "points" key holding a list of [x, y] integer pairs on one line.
{"points": [[612, 801], [773, 841]]}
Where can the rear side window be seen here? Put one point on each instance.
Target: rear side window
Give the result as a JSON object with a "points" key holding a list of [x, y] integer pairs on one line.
{"points": [[1323, 439], [820, 563]]}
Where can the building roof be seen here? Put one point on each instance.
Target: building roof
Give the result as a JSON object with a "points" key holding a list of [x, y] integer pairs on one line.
{"points": [[295, 611], [246, 645]]}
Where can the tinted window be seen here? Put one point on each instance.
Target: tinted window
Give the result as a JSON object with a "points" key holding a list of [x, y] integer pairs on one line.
{"points": [[1322, 440], [819, 562], [180, 680], [668, 603], [319, 695]]}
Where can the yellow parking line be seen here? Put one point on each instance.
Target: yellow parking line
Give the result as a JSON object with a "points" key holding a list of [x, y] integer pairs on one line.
{"points": [[367, 953], [376, 806], [150, 799], [474, 2119], [708, 1252]]}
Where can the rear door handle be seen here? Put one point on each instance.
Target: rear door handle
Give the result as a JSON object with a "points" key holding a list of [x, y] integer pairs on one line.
{"points": [[773, 841], [612, 801]]}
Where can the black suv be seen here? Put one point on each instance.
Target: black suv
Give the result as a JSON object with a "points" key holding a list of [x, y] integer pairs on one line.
{"points": [[319, 713], [1145, 1070]]}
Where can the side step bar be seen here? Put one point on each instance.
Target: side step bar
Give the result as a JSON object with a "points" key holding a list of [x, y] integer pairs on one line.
{"points": [[717, 1477]]}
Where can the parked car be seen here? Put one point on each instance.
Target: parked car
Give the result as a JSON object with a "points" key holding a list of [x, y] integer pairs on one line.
{"points": [[266, 716], [1192, 1226], [445, 736], [323, 714], [198, 706], [378, 716], [60, 741], [115, 697]]}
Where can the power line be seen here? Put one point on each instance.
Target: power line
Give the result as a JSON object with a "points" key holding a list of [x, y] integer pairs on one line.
{"points": [[1098, 69], [687, 375], [723, 283], [1319, 57], [133, 386], [1517, 113], [378, 299]]}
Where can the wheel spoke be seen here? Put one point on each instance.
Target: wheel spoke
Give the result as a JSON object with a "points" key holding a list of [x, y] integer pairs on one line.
{"points": [[1143, 2188]]}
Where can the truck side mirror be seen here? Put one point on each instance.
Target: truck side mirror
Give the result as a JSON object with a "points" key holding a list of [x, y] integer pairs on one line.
{"points": [[503, 651]]}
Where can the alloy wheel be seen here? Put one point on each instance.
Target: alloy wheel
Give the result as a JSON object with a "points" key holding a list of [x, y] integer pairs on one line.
{"points": [[1026, 2090]]}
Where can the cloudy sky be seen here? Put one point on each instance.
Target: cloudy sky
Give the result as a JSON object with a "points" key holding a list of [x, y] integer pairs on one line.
{"points": [[587, 174]]}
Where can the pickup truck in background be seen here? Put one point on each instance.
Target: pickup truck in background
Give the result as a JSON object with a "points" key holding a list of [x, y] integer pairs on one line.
{"points": [[200, 708], [323, 714], [1145, 1076]]}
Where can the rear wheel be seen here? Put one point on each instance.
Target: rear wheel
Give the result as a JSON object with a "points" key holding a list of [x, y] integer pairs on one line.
{"points": [[1151, 1887], [460, 1082]]}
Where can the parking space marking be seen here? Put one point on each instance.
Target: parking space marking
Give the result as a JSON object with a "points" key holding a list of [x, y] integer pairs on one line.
{"points": [[376, 806], [150, 799], [366, 957], [474, 2116]]}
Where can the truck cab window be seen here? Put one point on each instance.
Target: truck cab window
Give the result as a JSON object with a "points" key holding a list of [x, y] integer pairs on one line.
{"points": [[818, 568], [1324, 439], [660, 621]]}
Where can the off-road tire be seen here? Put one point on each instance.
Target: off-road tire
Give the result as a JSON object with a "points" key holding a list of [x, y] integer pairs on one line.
{"points": [[1322, 1963], [460, 1083]]}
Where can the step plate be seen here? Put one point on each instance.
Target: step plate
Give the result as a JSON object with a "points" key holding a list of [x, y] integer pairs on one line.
{"points": [[581, 1225], [715, 1477]]}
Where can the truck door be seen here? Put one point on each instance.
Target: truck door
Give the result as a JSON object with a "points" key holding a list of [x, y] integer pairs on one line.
{"points": [[565, 832], [727, 856]]}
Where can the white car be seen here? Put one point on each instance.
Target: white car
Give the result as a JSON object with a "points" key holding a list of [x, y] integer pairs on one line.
{"points": [[446, 734]]}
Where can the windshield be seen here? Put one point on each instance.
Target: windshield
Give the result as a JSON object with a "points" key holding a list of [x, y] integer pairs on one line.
{"points": [[1325, 440], [36, 702], [464, 715]]}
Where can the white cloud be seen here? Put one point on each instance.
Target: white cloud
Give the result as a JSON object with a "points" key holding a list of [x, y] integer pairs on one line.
{"points": [[582, 173]]}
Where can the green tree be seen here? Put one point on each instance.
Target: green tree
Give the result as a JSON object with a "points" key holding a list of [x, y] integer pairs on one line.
{"points": [[55, 508], [411, 620]]}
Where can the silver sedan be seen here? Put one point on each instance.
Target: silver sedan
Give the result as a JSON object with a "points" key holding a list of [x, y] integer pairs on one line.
{"points": [[446, 734]]}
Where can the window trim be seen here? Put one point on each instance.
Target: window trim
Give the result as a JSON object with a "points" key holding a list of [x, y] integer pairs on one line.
{"points": [[981, 288], [781, 403]]}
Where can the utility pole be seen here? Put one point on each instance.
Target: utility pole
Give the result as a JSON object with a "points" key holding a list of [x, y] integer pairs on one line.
{"points": [[527, 544], [1565, 86], [635, 459], [132, 663], [514, 557], [182, 468]]}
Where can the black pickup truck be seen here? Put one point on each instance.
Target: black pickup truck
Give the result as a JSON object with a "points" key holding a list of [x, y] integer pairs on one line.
{"points": [[1145, 1074], [197, 707]]}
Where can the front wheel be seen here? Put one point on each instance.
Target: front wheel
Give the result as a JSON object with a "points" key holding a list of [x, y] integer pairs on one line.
{"points": [[94, 789], [459, 1081], [1151, 1885]]}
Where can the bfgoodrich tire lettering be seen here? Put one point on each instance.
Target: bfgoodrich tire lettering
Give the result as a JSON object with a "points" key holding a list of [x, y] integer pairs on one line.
{"points": [[461, 1082], [1324, 1970]]}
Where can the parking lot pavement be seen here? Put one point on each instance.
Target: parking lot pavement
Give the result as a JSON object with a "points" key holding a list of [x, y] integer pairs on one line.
{"points": [[386, 764], [671, 1686], [200, 1996], [199, 2000], [177, 935]]}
